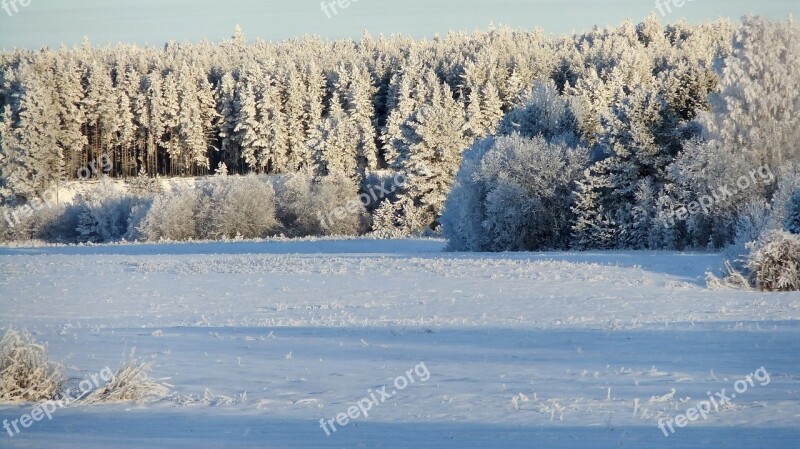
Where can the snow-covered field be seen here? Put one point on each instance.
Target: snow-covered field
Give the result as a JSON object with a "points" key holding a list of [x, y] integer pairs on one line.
{"points": [[262, 340]]}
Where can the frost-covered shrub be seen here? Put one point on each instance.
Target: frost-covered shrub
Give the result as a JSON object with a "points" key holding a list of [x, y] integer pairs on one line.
{"points": [[792, 220], [751, 224], [294, 203], [173, 215], [104, 216], [244, 208], [774, 263], [139, 210], [26, 374], [329, 205], [464, 209], [518, 197], [221, 207], [53, 223]]}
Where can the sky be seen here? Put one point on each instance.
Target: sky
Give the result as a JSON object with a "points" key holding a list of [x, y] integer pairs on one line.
{"points": [[52, 23]]}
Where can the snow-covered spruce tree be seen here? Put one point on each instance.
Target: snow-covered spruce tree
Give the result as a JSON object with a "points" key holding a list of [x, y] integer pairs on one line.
{"points": [[359, 95], [525, 195], [294, 109], [401, 103], [227, 110], [436, 141], [69, 92], [250, 131], [641, 138], [171, 122], [32, 159], [593, 227], [544, 112], [96, 105], [191, 130], [149, 115], [396, 219], [335, 143], [274, 157]]}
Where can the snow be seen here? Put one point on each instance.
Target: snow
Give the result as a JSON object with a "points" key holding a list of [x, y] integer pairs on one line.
{"points": [[262, 339]]}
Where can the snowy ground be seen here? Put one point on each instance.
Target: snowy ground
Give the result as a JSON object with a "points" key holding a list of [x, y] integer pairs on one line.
{"points": [[262, 340]]}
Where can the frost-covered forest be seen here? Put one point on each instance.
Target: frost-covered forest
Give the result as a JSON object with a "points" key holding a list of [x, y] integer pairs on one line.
{"points": [[641, 136]]}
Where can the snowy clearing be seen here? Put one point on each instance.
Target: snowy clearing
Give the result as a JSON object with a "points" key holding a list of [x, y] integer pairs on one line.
{"points": [[260, 341]]}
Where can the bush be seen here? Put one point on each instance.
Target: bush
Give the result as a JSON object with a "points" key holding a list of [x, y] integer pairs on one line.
{"points": [[103, 217], [519, 196], [172, 216], [245, 208], [26, 375], [774, 263], [221, 207], [325, 206]]}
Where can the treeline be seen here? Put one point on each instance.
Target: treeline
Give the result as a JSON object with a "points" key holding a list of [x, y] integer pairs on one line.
{"points": [[186, 109], [597, 140]]}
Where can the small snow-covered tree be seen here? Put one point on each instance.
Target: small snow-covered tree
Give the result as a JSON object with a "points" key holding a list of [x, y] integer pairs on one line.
{"points": [[436, 141], [544, 112]]}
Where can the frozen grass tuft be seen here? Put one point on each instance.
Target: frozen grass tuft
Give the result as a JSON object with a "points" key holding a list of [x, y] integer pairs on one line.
{"points": [[775, 263], [131, 383], [26, 374]]}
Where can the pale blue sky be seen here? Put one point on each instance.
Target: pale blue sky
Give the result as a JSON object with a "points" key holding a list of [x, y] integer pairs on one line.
{"points": [[53, 22]]}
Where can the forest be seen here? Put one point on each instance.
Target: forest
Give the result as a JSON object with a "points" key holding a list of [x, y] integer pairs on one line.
{"points": [[636, 136]]}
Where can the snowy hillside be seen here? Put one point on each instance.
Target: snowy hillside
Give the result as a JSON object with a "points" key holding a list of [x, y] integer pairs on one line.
{"points": [[259, 342]]}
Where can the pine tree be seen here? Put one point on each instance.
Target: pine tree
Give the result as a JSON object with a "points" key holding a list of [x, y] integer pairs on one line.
{"points": [[334, 145], [226, 109], [436, 141], [33, 160], [359, 95], [71, 116], [171, 116], [593, 228], [250, 133], [271, 118]]}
